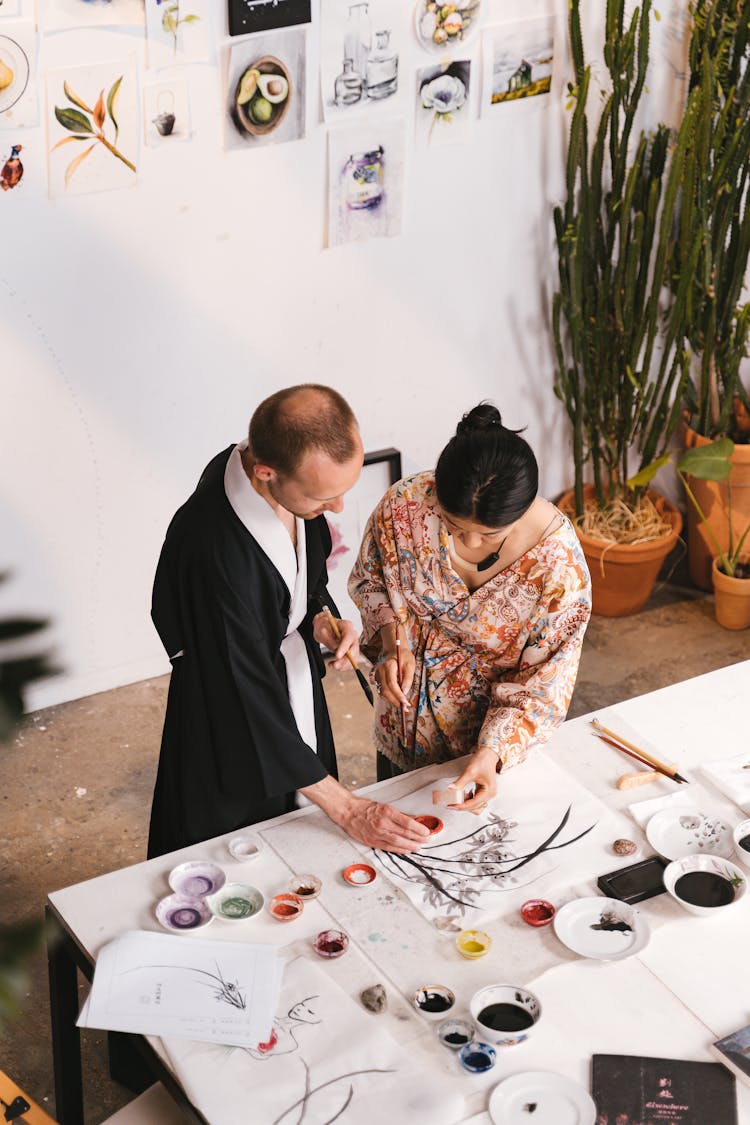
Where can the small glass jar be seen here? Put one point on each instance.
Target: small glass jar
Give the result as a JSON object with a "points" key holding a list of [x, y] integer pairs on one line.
{"points": [[363, 180], [348, 86]]}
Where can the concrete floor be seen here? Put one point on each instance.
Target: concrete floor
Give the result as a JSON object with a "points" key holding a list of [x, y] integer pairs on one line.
{"points": [[78, 782]]}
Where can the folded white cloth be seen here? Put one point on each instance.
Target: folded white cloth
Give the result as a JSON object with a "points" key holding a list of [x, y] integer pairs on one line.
{"points": [[731, 776], [642, 811]]}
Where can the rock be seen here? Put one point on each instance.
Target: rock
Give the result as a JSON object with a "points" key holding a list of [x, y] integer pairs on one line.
{"points": [[623, 847], [374, 998]]}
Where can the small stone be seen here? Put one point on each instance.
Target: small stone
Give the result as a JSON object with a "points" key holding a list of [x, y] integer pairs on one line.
{"points": [[623, 847], [374, 998]]}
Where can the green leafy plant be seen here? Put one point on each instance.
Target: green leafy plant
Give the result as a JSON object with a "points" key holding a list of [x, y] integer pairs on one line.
{"points": [[90, 129], [171, 20]]}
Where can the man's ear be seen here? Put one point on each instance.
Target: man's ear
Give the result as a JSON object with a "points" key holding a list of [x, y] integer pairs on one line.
{"points": [[264, 472]]}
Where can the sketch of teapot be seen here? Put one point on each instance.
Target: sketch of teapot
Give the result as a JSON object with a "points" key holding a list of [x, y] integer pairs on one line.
{"points": [[165, 118]]}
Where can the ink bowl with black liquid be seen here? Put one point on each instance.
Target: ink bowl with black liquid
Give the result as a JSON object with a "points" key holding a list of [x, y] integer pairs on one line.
{"points": [[433, 1001], [741, 837], [505, 1014], [703, 884]]}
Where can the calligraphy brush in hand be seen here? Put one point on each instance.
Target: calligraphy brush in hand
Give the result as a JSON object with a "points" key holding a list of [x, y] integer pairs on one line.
{"points": [[337, 634]]}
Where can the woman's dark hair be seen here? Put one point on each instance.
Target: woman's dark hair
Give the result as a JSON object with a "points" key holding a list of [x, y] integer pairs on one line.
{"points": [[487, 472]]}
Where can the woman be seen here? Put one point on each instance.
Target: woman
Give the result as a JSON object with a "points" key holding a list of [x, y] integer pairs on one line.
{"points": [[486, 588]]}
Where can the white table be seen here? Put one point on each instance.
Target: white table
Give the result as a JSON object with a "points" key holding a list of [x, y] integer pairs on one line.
{"points": [[672, 1000]]}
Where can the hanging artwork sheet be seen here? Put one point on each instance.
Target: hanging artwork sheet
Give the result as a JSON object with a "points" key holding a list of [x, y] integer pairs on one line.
{"points": [[177, 31], [519, 62], [245, 17], [365, 181], [23, 168], [10, 8], [166, 111], [19, 106], [361, 46], [446, 29], [443, 103], [64, 15], [92, 114], [266, 89]]}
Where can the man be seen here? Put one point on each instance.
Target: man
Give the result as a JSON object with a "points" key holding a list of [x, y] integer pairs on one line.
{"points": [[236, 602]]}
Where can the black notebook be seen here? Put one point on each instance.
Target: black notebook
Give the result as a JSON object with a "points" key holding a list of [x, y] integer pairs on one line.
{"points": [[734, 1051], [633, 1090]]}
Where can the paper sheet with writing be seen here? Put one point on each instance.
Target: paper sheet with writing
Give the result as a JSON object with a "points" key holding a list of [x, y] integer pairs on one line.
{"points": [[159, 984]]}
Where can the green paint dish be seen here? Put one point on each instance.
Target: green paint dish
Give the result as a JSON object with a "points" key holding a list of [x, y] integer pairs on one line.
{"points": [[235, 902], [236, 908]]}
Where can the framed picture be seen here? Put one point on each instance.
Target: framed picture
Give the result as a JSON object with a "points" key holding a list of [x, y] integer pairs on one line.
{"points": [[246, 16], [381, 469]]}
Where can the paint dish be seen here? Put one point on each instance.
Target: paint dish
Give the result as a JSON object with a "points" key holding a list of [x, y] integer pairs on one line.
{"points": [[433, 1001], [677, 832], [455, 1034], [285, 908], [473, 944], [306, 886], [741, 838], [331, 943], [477, 1057], [179, 914], [196, 879], [359, 874], [537, 912], [704, 885], [433, 824], [244, 848], [604, 929], [235, 902], [505, 1014], [555, 1098]]}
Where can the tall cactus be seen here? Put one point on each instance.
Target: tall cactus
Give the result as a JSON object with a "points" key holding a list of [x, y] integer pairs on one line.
{"points": [[621, 360]]}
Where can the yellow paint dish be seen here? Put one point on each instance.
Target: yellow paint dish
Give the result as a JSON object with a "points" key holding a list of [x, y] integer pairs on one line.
{"points": [[473, 944]]}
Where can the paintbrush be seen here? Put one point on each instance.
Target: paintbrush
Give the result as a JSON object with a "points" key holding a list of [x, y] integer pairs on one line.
{"points": [[622, 744], [398, 673], [337, 634]]}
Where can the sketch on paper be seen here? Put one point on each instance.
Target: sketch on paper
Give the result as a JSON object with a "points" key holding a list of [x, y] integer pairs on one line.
{"points": [[519, 59], [177, 32], [247, 16], [446, 27], [166, 111], [365, 182], [92, 127], [305, 1102], [360, 48], [18, 100], [12, 169], [443, 108], [283, 1037], [64, 15], [225, 991], [266, 89]]}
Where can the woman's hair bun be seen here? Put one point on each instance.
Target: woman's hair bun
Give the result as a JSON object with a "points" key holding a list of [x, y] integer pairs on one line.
{"points": [[485, 416]]}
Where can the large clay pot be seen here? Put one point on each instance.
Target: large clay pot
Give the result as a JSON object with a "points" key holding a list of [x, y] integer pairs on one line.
{"points": [[732, 598], [623, 574], [712, 497]]}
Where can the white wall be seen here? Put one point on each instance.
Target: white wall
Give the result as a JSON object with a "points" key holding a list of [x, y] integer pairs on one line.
{"points": [[141, 327]]}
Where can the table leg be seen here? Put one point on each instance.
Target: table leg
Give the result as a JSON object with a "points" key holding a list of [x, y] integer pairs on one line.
{"points": [[66, 1039]]}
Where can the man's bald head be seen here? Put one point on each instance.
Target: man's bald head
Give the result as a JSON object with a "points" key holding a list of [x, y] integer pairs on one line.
{"points": [[299, 420]]}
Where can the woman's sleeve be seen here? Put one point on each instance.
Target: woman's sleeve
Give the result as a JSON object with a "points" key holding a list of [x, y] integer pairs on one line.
{"points": [[528, 704], [368, 581]]}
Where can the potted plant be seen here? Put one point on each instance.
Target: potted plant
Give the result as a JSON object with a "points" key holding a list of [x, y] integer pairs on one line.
{"points": [[621, 361]]}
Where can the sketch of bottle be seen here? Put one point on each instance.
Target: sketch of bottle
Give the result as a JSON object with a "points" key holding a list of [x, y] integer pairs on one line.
{"points": [[382, 68], [348, 86], [358, 37]]}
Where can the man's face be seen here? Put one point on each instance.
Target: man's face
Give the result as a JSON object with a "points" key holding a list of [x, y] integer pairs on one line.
{"points": [[318, 485]]}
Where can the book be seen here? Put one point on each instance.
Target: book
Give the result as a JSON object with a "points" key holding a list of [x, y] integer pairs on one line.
{"points": [[734, 1052], [635, 1090]]}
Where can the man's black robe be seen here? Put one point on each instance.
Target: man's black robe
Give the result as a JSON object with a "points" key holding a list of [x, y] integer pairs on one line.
{"points": [[231, 753]]}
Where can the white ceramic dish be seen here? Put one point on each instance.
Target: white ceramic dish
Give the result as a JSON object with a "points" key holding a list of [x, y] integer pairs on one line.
{"points": [[741, 831], [243, 848], [713, 865], [179, 914], [604, 929], [677, 832], [196, 879], [513, 994], [557, 1100], [235, 902]]}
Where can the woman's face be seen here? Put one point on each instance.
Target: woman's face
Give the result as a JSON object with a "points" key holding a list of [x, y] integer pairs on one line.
{"points": [[473, 535]]}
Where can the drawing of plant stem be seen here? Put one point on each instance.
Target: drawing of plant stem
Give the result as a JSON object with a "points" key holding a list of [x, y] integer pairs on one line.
{"points": [[224, 990], [84, 129], [171, 20], [303, 1103]]}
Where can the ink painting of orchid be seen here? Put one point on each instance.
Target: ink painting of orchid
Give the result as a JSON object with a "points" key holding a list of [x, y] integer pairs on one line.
{"points": [[443, 97]]}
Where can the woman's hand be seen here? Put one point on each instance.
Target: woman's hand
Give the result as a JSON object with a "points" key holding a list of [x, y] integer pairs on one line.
{"points": [[324, 634], [386, 678], [482, 770]]}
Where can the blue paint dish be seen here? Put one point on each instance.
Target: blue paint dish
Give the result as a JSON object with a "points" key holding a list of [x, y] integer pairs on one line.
{"points": [[477, 1057]]}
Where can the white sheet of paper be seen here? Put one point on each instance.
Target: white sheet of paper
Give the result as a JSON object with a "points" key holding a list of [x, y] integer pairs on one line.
{"points": [[160, 984]]}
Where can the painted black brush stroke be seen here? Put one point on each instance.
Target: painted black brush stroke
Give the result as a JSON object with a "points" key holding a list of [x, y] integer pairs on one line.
{"points": [[311, 1091]]}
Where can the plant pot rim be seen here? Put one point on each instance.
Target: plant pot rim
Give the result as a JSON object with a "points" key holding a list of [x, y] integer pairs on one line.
{"points": [[619, 551], [723, 579], [740, 454]]}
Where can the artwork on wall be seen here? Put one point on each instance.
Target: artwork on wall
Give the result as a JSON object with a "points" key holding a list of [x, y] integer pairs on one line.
{"points": [[266, 98], [177, 31], [64, 15], [247, 16], [443, 103], [10, 8], [446, 28], [360, 47], [19, 106], [166, 112], [519, 62], [93, 128], [365, 181]]}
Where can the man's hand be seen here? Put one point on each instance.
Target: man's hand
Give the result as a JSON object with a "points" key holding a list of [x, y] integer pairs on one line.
{"points": [[370, 822], [324, 634], [482, 770]]}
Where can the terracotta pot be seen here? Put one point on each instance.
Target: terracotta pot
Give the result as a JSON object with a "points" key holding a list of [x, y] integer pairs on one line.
{"points": [[623, 574], [732, 598], [712, 497]]}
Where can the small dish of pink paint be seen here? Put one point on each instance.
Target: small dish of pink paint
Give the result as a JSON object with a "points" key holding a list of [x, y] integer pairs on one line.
{"points": [[331, 943], [537, 912], [359, 874]]}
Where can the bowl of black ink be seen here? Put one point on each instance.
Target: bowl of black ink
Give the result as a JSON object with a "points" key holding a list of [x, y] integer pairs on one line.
{"points": [[433, 1001], [741, 836], [704, 884], [505, 1014]]}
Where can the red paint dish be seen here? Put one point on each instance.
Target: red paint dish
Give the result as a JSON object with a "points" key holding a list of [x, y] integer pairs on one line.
{"points": [[433, 823], [537, 912], [359, 874], [331, 943], [285, 908]]}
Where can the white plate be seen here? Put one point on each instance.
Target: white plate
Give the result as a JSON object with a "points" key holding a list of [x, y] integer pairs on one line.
{"points": [[677, 832], [14, 56], [574, 924], [557, 1100]]}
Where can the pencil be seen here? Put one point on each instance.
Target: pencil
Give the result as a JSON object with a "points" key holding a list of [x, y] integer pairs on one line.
{"points": [[398, 673], [636, 752], [337, 634]]}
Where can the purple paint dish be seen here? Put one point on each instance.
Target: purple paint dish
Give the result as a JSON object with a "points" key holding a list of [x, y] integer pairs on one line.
{"points": [[477, 1057], [196, 879], [178, 913]]}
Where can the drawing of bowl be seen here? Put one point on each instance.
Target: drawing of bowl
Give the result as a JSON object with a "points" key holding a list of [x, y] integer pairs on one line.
{"points": [[235, 902], [178, 913], [266, 65], [741, 837], [196, 879]]}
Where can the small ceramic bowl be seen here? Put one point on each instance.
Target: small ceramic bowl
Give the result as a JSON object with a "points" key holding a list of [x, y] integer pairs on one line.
{"points": [[243, 848], [455, 1034], [433, 1001], [742, 832], [509, 997], [432, 823], [285, 908], [235, 902], [359, 874], [477, 1057], [731, 876], [306, 886], [178, 913], [331, 943], [473, 944], [196, 879], [537, 912]]}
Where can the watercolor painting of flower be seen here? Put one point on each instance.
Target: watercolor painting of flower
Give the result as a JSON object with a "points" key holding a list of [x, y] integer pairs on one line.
{"points": [[443, 102], [86, 123], [171, 20]]}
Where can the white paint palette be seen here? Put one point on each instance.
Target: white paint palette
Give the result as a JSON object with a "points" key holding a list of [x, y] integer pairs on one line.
{"points": [[604, 929], [674, 833], [543, 1097]]}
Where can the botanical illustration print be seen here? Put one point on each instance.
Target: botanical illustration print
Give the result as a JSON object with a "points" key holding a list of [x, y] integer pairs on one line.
{"points": [[177, 32], [225, 991], [494, 667], [443, 108]]}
